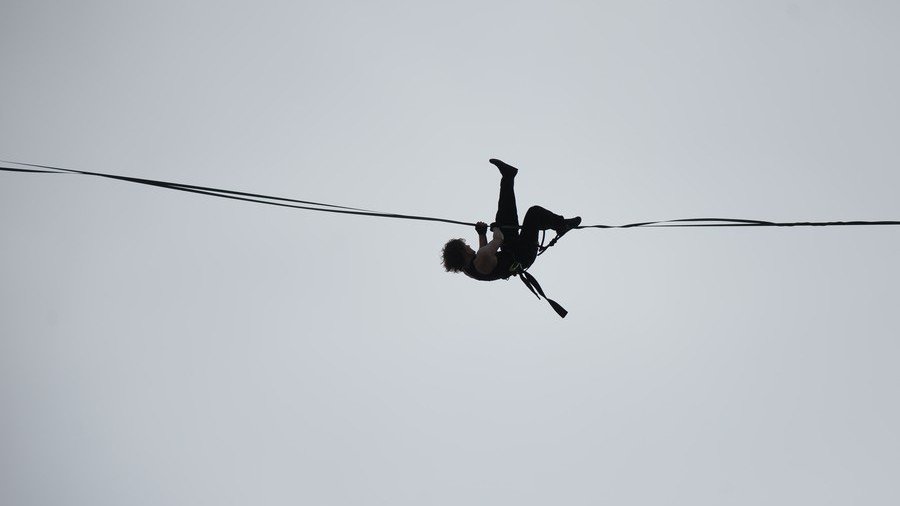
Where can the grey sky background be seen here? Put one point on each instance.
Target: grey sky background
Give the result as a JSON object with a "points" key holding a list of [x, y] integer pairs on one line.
{"points": [[163, 348]]}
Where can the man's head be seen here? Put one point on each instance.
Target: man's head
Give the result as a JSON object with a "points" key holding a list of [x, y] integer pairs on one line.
{"points": [[457, 254]]}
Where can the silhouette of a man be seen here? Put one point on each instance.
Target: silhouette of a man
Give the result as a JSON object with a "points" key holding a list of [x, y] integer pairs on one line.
{"points": [[512, 249]]}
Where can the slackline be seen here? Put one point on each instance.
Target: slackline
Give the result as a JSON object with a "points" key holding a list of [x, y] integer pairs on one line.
{"points": [[332, 208]]}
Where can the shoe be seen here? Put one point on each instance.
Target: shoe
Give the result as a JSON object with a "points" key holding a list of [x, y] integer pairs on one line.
{"points": [[506, 170], [568, 225]]}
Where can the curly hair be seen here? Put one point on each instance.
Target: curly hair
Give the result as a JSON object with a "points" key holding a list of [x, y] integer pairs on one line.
{"points": [[454, 255]]}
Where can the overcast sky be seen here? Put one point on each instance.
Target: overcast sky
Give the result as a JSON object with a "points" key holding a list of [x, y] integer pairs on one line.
{"points": [[162, 348]]}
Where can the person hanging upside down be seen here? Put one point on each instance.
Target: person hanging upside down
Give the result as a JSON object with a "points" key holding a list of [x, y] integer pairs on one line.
{"points": [[511, 251]]}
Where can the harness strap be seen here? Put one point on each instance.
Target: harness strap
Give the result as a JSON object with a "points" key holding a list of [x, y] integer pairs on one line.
{"points": [[517, 269], [542, 248], [538, 292]]}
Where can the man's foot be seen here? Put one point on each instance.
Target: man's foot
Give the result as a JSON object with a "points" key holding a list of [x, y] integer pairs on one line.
{"points": [[568, 225], [505, 168]]}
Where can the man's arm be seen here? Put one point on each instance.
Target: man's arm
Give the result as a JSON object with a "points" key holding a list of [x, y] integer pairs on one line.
{"points": [[486, 258], [481, 228]]}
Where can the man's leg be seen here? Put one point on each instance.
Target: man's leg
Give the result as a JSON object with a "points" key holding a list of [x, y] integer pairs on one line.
{"points": [[536, 219], [507, 214]]}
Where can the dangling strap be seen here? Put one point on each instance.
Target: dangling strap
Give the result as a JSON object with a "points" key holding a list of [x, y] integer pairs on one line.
{"points": [[538, 292]]}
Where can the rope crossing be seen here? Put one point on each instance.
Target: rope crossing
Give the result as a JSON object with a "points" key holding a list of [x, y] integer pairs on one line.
{"points": [[307, 205], [332, 208]]}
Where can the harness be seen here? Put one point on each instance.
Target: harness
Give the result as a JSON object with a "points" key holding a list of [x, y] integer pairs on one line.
{"points": [[517, 269]]}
